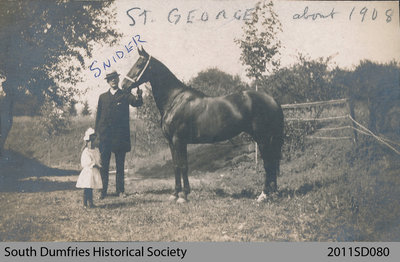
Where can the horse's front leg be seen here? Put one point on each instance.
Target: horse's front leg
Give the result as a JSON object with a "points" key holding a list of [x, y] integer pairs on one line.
{"points": [[178, 184], [183, 166]]}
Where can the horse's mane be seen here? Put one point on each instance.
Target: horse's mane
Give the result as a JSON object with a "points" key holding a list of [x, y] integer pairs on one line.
{"points": [[194, 91], [164, 70]]}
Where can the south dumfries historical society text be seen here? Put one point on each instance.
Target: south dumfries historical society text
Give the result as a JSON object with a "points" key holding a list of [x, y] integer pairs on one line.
{"points": [[97, 251]]}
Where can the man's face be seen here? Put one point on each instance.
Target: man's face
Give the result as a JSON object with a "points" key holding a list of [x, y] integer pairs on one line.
{"points": [[113, 82]]}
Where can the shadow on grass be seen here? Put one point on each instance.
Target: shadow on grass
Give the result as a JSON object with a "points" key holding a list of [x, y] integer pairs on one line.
{"points": [[21, 174], [245, 193], [159, 191], [203, 158], [126, 203], [282, 193], [306, 188]]}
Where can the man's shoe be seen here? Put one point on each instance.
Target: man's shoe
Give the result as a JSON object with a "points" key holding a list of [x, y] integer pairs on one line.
{"points": [[102, 196], [122, 194]]}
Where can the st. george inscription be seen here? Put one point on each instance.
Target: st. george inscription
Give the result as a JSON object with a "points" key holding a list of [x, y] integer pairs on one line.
{"points": [[175, 15]]}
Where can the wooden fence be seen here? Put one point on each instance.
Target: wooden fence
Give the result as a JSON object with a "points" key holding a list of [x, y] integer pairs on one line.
{"points": [[345, 121]]}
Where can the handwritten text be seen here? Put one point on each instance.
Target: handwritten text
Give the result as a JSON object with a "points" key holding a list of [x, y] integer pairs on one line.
{"points": [[176, 16], [98, 67], [360, 14], [314, 16]]}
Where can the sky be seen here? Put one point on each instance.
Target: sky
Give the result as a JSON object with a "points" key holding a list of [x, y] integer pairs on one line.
{"points": [[188, 38]]}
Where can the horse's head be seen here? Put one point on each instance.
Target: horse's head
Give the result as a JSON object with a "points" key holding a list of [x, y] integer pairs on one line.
{"points": [[136, 76]]}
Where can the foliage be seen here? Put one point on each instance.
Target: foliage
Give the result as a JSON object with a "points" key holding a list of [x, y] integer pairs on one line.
{"points": [[44, 43], [53, 118], [149, 128], [295, 137], [72, 108], [378, 87], [27, 105], [85, 110], [374, 88], [260, 43], [214, 82], [307, 80]]}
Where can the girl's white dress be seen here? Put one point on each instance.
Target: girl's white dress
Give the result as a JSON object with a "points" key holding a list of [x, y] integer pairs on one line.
{"points": [[90, 175]]}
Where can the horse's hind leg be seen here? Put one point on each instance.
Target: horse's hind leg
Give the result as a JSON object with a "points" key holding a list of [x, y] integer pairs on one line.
{"points": [[183, 168], [270, 152]]}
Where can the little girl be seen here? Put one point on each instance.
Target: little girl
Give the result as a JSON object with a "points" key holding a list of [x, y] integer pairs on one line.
{"points": [[89, 177]]}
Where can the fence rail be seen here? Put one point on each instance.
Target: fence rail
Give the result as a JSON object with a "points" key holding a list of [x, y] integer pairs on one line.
{"points": [[317, 103], [355, 126], [317, 119]]}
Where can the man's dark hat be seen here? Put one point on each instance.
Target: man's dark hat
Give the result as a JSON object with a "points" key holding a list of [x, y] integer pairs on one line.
{"points": [[113, 74]]}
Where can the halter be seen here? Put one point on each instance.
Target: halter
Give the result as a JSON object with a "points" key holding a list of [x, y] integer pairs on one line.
{"points": [[141, 73]]}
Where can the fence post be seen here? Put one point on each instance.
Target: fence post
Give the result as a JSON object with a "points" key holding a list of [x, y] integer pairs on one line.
{"points": [[350, 107], [255, 145]]}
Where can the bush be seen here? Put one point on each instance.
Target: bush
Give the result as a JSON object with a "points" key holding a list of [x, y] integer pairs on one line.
{"points": [[295, 136], [53, 118], [308, 80]]}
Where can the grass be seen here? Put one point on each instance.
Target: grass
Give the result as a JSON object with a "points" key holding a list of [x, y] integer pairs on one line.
{"points": [[330, 191]]}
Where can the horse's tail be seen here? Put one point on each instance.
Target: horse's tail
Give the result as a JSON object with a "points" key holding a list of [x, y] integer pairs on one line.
{"points": [[268, 124], [272, 140], [278, 137], [276, 134], [276, 142]]}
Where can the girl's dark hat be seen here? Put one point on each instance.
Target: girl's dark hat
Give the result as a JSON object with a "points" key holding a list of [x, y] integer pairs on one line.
{"points": [[113, 74]]}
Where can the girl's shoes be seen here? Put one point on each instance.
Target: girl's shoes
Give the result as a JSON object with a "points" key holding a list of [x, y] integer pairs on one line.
{"points": [[89, 206]]}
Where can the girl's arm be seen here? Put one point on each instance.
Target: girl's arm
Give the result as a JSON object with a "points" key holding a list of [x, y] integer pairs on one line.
{"points": [[86, 159], [97, 158]]}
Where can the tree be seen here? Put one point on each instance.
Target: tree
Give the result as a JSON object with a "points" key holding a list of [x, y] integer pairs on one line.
{"points": [[260, 44], [71, 108], [27, 105], [85, 109], [377, 87], [214, 82], [43, 45], [307, 80], [53, 119]]}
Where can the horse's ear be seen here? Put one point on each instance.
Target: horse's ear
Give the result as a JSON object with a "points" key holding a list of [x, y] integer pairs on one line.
{"points": [[140, 50], [144, 53]]}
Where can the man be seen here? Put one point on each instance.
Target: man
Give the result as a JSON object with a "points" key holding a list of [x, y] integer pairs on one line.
{"points": [[112, 128]]}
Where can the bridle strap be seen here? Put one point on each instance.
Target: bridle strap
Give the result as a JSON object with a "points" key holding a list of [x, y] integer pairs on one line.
{"points": [[144, 69], [130, 79], [141, 73]]}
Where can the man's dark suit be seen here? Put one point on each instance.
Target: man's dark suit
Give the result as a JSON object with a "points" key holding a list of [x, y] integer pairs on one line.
{"points": [[112, 128]]}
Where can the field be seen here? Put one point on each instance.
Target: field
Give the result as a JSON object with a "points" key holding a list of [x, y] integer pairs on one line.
{"points": [[329, 191]]}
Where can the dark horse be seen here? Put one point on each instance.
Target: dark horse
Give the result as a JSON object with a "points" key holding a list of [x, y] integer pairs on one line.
{"points": [[190, 117]]}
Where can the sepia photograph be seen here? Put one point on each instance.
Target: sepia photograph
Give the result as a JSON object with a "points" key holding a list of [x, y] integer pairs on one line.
{"points": [[199, 121]]}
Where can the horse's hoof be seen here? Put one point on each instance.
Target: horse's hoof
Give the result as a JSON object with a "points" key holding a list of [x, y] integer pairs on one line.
{"points": [[172, 198], [262, 197], [181, 200]]}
